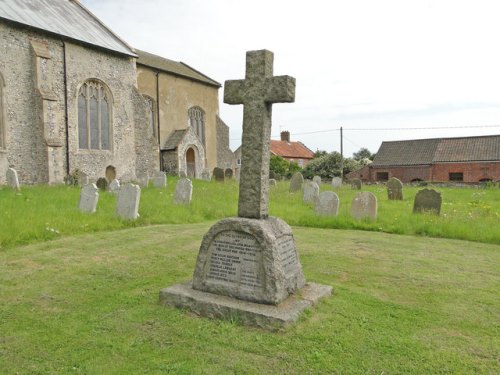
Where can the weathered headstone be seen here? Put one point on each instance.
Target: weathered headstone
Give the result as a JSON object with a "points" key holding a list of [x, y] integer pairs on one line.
{"points": [[114, 186], [296, 182], [272, 182], [160, 180], [205, 175], [228, 173], [127, 203], [427, 200], [12, 179], [183, 191], [336, 182], [395, 189], [102, 184], [317, 179], [218, 174], [327, 204], [248, 264], [143, 181], [356, 184], [364, 205], [182, 174], [83, 179], [311, 192], [89, 195]]}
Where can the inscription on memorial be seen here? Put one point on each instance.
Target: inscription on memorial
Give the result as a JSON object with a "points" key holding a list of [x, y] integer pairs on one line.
{"points": [[235, 258], [287, 255]]}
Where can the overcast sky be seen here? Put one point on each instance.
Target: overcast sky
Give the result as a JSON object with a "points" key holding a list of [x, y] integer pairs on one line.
{"points": [[359, 64]]}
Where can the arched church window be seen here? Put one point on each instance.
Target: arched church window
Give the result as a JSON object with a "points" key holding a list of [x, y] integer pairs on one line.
{"points": [[151, 115], [94, 116], [197, 122], [2, 115]]}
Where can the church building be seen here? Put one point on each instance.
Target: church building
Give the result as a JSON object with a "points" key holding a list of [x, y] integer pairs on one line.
{"points": [[74, 96]]}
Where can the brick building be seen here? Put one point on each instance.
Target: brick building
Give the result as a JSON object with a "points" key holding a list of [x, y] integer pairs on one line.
{"points": [[465, 159], [292, 151]]}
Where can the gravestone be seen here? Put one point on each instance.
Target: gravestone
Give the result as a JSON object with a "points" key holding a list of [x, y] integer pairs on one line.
{"points": [[218, 174], [311, 192], [356, 184], [248, 266], [427, 200], [12, 179], [228, 173], [364, 205], [395, 189], [83, 179], [205, 175], [143, 181], [336, 182], [160, 180], [102, 184], [327, 204], [272, 182], [114, 186], [89, 195], [296, 182], [183, 191], [182, 174], [127, 202], [317, 180]]}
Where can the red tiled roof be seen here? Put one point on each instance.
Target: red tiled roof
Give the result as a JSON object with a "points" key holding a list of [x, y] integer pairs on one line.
{"points": [[291, 150]]}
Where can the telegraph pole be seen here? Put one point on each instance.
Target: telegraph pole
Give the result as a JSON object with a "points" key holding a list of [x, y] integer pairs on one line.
{"points": [[341, 155]]}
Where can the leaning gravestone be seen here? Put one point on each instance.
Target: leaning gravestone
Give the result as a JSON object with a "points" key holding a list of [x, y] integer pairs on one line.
{"points": [[317, 179], [336, 182], [296, 182], [102, 184], [395, 189], [12, 179], [311, 192], [114, 186], [327, 204], [127, 203], [427, 200], [356, 184], [89, 195], [160, 180], [228, 173], [364, 205], [183, 191], [218, 174], [248, 266]]}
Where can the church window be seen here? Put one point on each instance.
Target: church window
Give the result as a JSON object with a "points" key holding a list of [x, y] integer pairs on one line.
{"points": [[94, 116], [197, 122], [151, 115], [2, 121]]}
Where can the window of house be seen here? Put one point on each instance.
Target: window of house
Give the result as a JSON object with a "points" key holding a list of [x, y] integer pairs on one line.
{"points": [[382, 176], [2, 120], [300, 162], [238, 162], [197, 122], [456, 176], [94, 116], [152, 115]]}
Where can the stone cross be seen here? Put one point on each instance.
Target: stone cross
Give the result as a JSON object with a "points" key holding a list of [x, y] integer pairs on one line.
{"points": [[257, 92]]}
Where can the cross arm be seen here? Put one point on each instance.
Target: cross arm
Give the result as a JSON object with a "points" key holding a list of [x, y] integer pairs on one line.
{"points": [[280, 89], [234, 91]]}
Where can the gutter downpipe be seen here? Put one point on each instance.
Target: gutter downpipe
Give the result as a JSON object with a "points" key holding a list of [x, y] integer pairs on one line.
{"points": [[66, 113]]}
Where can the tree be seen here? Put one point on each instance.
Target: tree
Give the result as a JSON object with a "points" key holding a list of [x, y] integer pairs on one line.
{"points": [[363, 153], [328, 166], [319, 153], [283, 167]]}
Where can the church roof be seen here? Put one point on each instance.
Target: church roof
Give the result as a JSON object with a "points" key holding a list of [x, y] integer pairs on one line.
{"points": [[177, 68], [438, 150], [290, 150], [173, 141], [67, 18]]}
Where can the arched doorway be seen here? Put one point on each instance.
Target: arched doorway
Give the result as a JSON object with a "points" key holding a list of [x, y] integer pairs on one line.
{"points": [[190, 163]]}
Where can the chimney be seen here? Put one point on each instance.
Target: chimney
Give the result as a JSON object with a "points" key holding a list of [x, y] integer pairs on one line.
{"points": [[285, 136]]}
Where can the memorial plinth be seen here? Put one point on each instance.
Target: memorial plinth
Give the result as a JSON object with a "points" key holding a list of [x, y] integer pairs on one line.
{"points": [[248, 267]]}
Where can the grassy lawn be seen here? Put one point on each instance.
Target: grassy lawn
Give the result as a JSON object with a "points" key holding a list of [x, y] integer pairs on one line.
{"points": [[41, 213], [88, 304]]}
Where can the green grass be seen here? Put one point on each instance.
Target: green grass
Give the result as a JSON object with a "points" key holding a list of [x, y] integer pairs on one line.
{"points": [[41, 213], [88, 304]]}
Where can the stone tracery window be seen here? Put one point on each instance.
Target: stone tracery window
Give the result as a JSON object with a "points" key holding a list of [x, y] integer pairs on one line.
{"points": [[94, 116], [197, 122], [2, 120], [152, 114]]}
